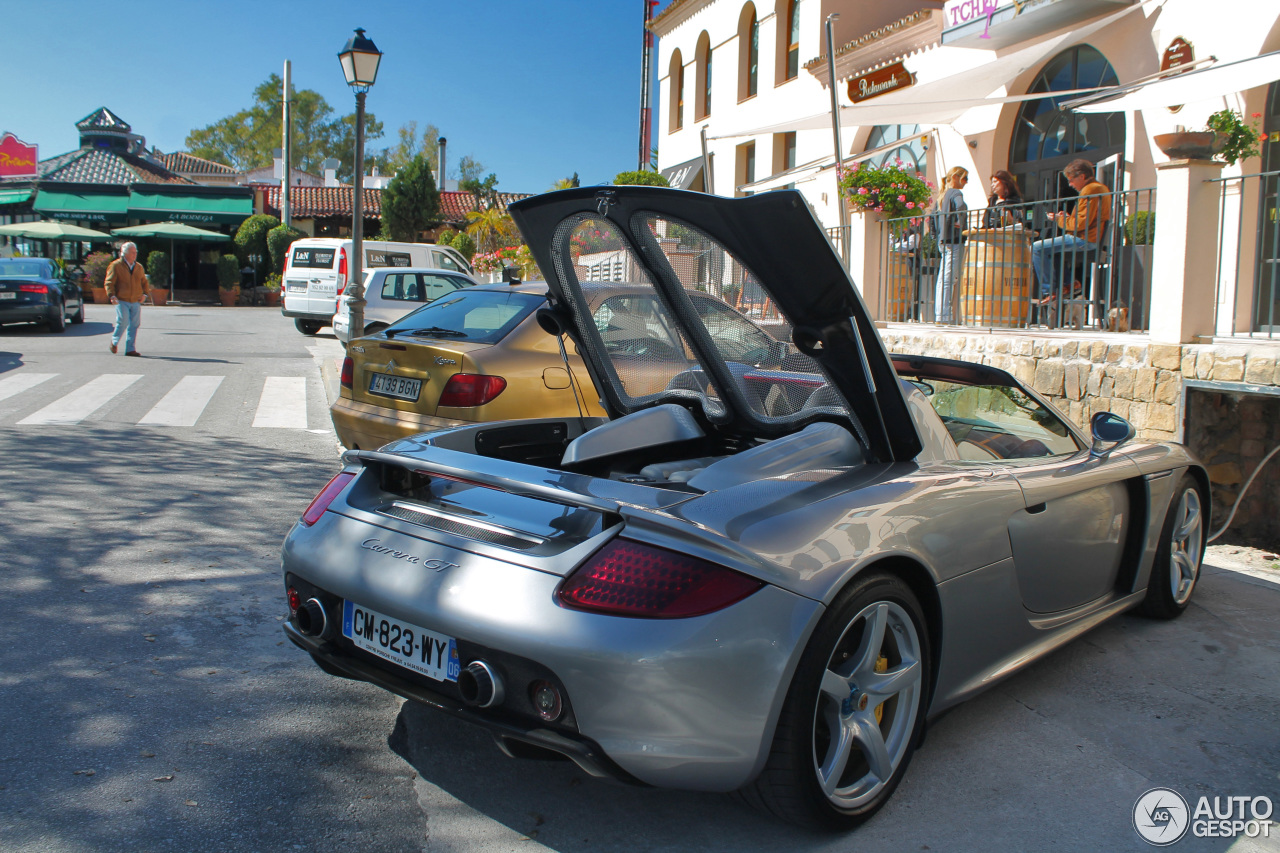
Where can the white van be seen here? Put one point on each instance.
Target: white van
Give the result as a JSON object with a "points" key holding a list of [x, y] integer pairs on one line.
{"points": [[318, 269]]}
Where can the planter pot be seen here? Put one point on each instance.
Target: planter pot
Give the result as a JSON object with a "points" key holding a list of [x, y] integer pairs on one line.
{"points": [[273, 298], [1191, 144], [159, 295], [228, 297], [99, 295]]}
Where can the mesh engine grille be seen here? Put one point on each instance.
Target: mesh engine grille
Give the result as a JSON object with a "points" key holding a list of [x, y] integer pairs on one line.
{"points": [[459, 528]]}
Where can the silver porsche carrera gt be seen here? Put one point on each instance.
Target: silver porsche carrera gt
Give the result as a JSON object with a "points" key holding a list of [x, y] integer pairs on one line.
{"points": [[754, 577]]}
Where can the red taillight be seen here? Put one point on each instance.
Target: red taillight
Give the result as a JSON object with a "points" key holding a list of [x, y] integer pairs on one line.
{"points": [[348, 372], [326, 496], [471, 389], [34, 288], [342, 270], [630, 579], [295, 601]]}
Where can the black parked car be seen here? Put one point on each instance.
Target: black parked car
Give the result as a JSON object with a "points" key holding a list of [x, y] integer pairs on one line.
{"points": [[34, 290]]}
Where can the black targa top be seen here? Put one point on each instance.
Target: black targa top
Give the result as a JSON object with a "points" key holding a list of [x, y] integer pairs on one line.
{"points": [[680, 242]]}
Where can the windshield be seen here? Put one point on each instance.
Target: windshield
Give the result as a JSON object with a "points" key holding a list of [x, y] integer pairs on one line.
{"points": [[482, 316], [26, 268]]}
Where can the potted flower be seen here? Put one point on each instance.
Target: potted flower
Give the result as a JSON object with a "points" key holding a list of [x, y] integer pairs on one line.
{"points": [[272, 287], [228, 280], [158, 276], [95, 275], [889, 190], [1227, 137]]}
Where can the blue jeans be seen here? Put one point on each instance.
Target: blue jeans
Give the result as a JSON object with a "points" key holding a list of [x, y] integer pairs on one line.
{"points": [[945, 289], [1046, 258], [128, 318]]}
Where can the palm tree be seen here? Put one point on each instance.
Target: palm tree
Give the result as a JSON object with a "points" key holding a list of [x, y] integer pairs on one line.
{"points": [[491, 228]]}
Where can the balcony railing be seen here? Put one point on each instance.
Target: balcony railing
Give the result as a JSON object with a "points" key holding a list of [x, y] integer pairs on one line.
{"points": [[1248, 267], [1017, 267]]}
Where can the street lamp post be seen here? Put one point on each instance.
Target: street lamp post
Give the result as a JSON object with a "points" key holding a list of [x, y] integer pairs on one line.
{"points": [[359, 58]]}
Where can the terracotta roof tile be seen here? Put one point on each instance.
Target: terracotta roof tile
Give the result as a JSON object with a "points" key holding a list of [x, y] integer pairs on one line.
{"points": [[181, 161], [315, 202]]}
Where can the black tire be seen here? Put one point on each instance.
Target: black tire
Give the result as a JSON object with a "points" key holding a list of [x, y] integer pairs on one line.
{"points": [[1178, 559], [874, 633], [58, 322], [78, 317], [308, 327]]}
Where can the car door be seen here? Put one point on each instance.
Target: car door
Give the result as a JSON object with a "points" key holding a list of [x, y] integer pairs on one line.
{"points": [[1069, 538]]}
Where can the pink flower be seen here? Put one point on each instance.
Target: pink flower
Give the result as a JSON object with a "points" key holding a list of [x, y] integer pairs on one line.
{"points": [[902, 198], [910, 204], [1257, 115], [862, 190]]}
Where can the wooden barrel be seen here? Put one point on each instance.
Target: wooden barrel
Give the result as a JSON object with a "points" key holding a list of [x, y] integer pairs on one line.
{"points": [[996, 287], [901, 290]]}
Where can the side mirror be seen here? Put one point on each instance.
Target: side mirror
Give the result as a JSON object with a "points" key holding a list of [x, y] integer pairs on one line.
{"points": [[1109, 432]]}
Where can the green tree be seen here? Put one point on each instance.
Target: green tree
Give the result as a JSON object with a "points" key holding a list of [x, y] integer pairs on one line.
{"points": [[651, 179], [158, 268], [468, 169], [409, 145], [247, 138], [465, 245], [566, 183], [411, 202], [279, 239], [251, 239]]}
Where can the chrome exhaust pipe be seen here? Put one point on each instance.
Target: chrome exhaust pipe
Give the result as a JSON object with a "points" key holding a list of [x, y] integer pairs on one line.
{"points": [[480, 686], [311, 619]]}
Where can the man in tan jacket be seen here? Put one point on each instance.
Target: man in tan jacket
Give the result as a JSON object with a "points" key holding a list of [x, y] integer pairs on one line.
{"points": [[1082, 228], [126, 285]]}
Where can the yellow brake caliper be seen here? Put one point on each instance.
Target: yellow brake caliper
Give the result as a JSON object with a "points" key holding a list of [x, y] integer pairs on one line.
{"points": [[882, 665]]}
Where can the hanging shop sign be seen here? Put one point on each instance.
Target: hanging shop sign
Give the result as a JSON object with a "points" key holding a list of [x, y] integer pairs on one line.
{"points": [[1177, 54], [879, 82], [17, 158]]}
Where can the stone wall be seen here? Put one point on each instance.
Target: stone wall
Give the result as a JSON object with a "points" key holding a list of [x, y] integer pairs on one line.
{"points": [[1231, 428]]}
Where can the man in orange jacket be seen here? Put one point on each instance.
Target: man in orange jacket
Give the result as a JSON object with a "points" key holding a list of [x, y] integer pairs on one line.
{"points": [[126, 286], [1082, 229]]}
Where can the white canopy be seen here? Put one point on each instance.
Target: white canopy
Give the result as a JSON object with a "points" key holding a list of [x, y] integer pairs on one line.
{"points": [[1191, 86], [940, 102]]}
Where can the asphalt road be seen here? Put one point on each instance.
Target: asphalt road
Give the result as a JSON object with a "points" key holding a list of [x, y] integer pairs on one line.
{"points": [[150, 701]]}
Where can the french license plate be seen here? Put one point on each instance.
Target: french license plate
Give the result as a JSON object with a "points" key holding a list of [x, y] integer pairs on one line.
{"points": [[410, 646], [296, 286], [8, 295], [400, 387]]}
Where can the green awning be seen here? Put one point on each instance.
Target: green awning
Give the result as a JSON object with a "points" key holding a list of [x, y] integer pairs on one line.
{"points": [[84, 207], [154, 207], [14, 196]]}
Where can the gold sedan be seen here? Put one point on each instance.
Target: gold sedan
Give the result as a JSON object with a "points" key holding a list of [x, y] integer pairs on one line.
{"points": [[479, 355]]}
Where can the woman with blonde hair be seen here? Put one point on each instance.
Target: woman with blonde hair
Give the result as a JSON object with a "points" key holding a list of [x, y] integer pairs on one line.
{"points": [[948, 221]]}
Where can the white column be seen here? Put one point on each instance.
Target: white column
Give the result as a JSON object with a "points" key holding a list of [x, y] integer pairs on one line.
{"points": [[865, 250], [1185, 252]]}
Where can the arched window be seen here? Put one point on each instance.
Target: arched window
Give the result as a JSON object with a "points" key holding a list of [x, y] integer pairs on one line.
{"points": [[793, 40], [910, 150], [1046, 137], [748, 53], [676, 78], [703, 56]]}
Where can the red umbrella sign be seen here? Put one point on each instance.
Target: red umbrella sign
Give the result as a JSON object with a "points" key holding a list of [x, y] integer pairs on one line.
{"points": [[17, 158]]}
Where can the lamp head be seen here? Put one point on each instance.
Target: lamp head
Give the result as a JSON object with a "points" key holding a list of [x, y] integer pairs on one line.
{"points": [[360, 58]]}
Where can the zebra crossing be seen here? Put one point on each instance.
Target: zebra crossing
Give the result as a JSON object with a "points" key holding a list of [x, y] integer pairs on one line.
{"points": [[281, 403]]}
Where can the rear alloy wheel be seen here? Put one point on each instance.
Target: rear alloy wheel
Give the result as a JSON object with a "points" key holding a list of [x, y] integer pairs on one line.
{"points": [[1177, 565], [854, 712], [308, 327], [58, 322], [78, 317]]}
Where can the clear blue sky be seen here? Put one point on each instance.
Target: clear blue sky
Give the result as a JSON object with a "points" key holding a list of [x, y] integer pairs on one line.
{"points": [[533, 89]]}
